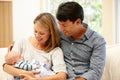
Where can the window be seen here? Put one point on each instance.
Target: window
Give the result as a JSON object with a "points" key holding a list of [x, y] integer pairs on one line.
{"points": [[92, 11], [100, 15]]}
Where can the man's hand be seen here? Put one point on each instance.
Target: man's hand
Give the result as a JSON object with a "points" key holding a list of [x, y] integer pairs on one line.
{"points": [[10, 46]]}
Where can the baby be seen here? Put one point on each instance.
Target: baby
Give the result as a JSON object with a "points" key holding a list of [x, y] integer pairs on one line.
{"points": [[18, 61]]}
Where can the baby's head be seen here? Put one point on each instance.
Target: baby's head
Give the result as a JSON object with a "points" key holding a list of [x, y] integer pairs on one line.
{"points": [[13, 57]]}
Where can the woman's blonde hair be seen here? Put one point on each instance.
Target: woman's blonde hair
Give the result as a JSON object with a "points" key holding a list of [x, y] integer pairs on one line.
{"points": [[48, 21]]}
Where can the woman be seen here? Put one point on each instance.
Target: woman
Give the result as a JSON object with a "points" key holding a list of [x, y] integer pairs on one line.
{"points": [[42, 47]]}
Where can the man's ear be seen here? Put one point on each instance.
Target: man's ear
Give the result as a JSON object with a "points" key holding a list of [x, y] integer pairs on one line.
{"points": [[78, 21]]}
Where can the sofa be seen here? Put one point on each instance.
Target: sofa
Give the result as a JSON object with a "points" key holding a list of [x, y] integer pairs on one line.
{"points": [[3, 75], [111, 70]]}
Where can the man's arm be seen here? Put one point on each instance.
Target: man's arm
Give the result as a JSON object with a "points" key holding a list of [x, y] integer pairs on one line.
{"points": [[97, 63]]}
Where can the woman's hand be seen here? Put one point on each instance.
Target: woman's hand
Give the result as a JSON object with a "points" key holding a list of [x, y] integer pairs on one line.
{"points": [[29, 74], [26, 77]]}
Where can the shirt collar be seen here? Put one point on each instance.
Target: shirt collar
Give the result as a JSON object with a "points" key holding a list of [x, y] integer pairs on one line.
{"points": [[88, 32]]}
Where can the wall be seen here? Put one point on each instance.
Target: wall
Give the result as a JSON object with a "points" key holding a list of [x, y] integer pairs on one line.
{"points": [[109, 21], [24, 12]]}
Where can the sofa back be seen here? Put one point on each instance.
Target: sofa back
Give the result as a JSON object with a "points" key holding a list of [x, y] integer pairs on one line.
{"points": [[111, 70]]}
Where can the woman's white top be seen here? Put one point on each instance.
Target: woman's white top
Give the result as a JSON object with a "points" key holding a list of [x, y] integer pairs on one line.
{"points": [[54, 59]]}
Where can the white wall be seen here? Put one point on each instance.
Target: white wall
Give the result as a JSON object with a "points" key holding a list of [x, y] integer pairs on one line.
{"points": [[24, 12], [109, 21]]}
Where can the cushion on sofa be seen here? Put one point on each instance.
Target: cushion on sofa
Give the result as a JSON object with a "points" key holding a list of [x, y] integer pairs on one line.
{"points": [[3, 75], [111, 70]]}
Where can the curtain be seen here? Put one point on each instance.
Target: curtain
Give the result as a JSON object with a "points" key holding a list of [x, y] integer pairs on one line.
{"points": [[6, 29]]}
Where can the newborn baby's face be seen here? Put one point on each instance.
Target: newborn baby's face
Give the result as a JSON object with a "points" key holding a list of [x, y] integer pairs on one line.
{"points": [[13, 57], [17, 58]]}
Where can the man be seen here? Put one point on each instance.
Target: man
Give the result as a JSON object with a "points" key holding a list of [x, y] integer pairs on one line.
{"points": [[83, 48]]}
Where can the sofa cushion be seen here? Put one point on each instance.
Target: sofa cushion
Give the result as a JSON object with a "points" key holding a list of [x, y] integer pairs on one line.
{"points": [[111, 70], [3, 75]]}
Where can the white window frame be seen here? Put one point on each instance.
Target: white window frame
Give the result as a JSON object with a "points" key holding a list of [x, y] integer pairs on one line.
{"points": [[118, 20], [109, 22]]}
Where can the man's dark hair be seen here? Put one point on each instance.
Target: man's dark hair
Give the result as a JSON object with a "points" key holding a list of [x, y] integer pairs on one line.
{"points": [[70, 11]]}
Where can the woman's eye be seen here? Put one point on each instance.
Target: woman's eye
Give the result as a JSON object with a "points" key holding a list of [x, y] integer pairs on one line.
{"points": [[35, 31], [42, 33]]}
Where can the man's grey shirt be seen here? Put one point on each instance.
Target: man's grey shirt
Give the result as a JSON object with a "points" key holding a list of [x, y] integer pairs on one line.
{"points": [[84, 57]]}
